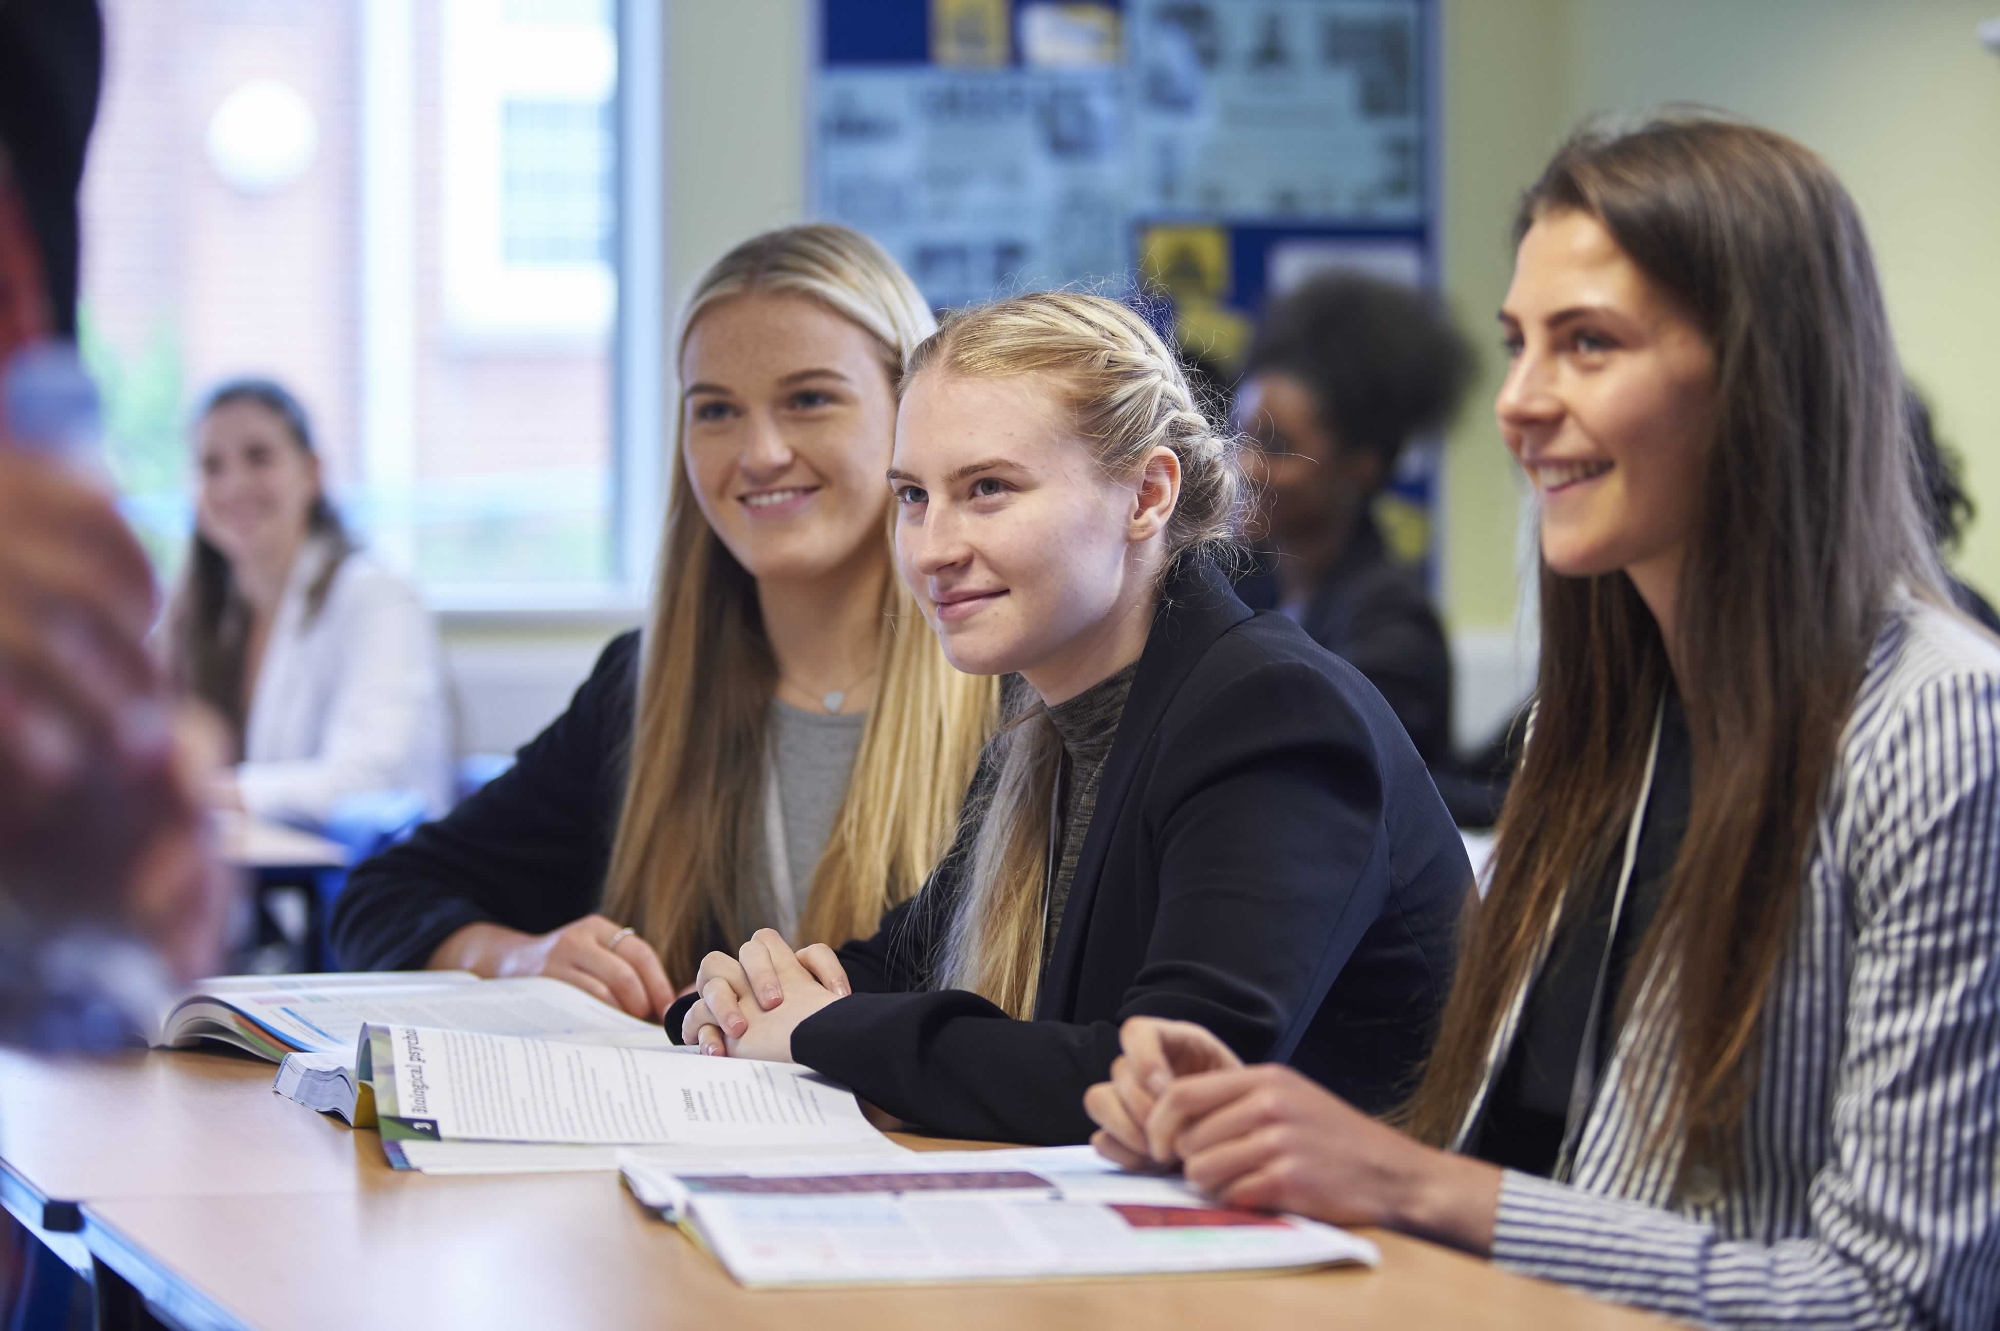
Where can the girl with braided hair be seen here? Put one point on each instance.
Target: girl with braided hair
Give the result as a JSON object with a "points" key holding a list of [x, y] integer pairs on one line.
{"points": [[1190, 810]]}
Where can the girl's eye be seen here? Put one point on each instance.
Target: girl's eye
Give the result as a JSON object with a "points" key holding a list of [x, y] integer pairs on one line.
{"points": [[910, 494], [1511, 344], [810, 398], [988, 486], [710, 411], [1590, 343]]}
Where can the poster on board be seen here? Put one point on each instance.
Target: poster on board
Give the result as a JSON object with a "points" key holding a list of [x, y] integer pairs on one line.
{"points": [[998, 145], [979, 181], [1215, 152], [1279, 109]]}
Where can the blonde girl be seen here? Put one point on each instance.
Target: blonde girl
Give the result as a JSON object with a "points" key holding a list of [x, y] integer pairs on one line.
{"points": [[783, 745]]}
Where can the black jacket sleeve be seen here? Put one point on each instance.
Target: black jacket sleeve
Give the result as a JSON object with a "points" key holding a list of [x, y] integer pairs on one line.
{"points": [[529, 851], [1257, 867]]}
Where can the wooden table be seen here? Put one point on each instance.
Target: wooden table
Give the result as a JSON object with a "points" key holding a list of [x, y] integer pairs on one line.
{"points": [[208, 1201]]}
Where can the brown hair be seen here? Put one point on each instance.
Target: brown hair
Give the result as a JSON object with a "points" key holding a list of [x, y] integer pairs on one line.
{"points": [[689, 829], [1124, 394], [1806, 523], [209, 622]]}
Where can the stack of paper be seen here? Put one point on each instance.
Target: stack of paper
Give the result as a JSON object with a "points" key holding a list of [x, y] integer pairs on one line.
{"points": [[1063, 1212]]}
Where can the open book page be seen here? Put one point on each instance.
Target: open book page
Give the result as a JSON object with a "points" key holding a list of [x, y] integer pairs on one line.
{"points": [[324, 1014], [466, 1085], [985, 1215]]}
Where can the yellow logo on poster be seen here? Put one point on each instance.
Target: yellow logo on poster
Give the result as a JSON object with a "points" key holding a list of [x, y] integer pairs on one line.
{"points": [[970, 33], [1189, 263]]}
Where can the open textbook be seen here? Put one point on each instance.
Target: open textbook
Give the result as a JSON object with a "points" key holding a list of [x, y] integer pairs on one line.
{"points": [[1032, 1214], [313, 1022], [461, 1086]]}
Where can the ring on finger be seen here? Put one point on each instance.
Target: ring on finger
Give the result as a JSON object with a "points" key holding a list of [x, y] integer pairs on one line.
{"points": [[611, 943]]}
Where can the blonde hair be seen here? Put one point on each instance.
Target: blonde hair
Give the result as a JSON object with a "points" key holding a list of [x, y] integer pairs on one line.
{"points": [[690, 828], [1123, 391]]}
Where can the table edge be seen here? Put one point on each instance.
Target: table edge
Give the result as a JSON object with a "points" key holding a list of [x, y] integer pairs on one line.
{"points": [[169, 1295]]}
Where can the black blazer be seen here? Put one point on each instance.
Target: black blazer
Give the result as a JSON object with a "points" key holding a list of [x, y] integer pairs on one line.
{"points": [[1267, 857], [529, 851]]}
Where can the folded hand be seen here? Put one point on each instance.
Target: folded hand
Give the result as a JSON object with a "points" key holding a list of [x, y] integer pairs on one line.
{"points": [[787, 987]]}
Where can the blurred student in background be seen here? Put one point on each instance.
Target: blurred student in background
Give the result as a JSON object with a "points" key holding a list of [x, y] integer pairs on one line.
{"points": [[1343, 371], [784, 745], [1947, 504], [325, 665]]}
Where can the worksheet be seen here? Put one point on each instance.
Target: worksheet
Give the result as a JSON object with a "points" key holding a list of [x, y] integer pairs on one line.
{"points": [[468, 1085]]}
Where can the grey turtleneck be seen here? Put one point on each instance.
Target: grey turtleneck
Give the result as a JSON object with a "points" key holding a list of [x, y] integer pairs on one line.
{"points": [[1087, 723]]}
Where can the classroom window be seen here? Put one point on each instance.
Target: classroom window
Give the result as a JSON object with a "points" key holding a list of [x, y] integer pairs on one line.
{"points": [[555, 188], [413, 213]]}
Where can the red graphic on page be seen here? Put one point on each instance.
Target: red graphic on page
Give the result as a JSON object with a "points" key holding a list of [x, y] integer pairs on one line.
{"points": [[1194, 1217]]}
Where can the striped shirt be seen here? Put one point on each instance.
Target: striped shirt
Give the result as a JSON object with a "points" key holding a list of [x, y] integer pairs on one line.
{"points": [[1869, 1192]]}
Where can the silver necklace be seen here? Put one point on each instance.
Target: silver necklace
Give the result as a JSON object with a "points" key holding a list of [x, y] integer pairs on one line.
{"points": [[833, 699]]}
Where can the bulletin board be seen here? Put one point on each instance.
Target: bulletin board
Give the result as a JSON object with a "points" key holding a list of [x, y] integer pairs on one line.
{"points": [[1215, 152]]}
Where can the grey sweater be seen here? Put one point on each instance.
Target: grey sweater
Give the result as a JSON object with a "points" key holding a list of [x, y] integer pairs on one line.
{"points": [[1087, 723]]}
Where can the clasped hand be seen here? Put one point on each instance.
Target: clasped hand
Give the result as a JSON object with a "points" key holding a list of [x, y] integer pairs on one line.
{"points": [[787, 986], [1269, 1138]]}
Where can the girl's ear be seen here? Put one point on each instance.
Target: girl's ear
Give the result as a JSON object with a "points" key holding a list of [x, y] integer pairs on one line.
{"points": [[1159, 490]]}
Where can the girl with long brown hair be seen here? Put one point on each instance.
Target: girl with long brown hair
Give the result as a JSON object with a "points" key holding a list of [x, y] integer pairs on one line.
{"points": [[1725, 1036], [1192, 811], [784, 744]]}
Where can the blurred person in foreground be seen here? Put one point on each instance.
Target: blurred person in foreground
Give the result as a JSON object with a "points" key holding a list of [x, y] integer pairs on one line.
{"points": [[1343, 371], [109, 891]]}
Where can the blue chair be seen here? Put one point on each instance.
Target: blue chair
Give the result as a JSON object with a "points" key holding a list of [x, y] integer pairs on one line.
{"points": [[363, 825]]}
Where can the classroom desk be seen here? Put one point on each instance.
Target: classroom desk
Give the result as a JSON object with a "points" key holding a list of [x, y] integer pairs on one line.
{"points": [[294, 875], [208, 1201]]}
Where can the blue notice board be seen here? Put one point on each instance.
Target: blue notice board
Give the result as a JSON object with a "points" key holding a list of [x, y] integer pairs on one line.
{"points": [[1213, 152]]}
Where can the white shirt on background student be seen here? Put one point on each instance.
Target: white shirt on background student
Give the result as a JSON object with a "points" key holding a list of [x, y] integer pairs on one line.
{"points": [[349, 700]]}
